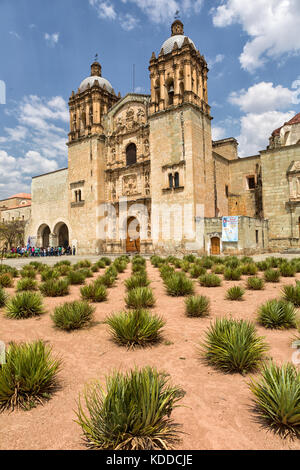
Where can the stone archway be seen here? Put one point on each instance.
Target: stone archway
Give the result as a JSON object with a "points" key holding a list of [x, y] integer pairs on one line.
{"points": [[61, 234], [133, 240], [43, 236]]}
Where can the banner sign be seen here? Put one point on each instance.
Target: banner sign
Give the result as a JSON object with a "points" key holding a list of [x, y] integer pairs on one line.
{"points": [[230, 229]]}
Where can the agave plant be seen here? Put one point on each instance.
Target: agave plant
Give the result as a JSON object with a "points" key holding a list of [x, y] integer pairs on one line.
{"points": [[140, 297], [232, 274], [196, 270], [255, 283], [210, 280], [133, 414], [26, 283], [73, 315], [29, 375], [277, 314], [28, 271], [76, 277], [138, 280], [3, 297], [292, 293], [233, 346], [94, 292], [25, 305], [235, 293], [135, 328], [249, 269], [197, 306], [55, 288], [49, 274], [272, 275], [6, 280], [106, 280], [277, 397], [179, 285], [287, 269]]}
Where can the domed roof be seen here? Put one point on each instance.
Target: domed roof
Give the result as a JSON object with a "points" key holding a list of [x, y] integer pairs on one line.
{"points": [[90, 81], [169, 43]]}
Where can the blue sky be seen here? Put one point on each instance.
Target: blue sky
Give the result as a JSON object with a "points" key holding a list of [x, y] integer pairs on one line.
{"points": [[46, 48]]}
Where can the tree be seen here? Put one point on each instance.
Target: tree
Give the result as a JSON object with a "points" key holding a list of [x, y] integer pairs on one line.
{"points": [[12, 233]]}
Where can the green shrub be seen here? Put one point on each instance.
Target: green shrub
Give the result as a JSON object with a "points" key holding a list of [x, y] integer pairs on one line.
{"points": [[235, 293], [133, 414], [55, 288], [76, 277], [140, 297], [247, 260], [232, 274], [112, 271], [28, 271], [272, 275], [64, 262], [196, 270], [138, 280], [277, 314], [95, 268], [197, 306], [292, 293], [73, 315], [233, 346], [277, 397], [178, 285], [63, 269], [166, 271], [25, 305], [138, 268], [262, 265], [255, 283], [106, 260], [26, 283], [3, 297], [207, 263], [5, 269], [249, 269], [94, 292], [86, 272], [185, 266], [287, 270], [49, 274], [232, 262], [210, 280], [218, 268], [189, 258], [85, 263], [100, 264], [120, 265], [6, 280], [135, 328], [29, 375]]}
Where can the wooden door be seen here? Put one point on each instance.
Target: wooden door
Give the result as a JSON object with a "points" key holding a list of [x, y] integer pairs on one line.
{"points": [[132, 244], [215, 246]]}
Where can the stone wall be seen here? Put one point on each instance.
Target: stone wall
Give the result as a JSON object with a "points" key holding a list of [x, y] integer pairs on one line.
{"points": [[49, 205], [242, 200]]}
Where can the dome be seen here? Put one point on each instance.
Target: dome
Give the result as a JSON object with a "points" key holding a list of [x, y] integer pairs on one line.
{"points": [[90, 81], [169, 43]]}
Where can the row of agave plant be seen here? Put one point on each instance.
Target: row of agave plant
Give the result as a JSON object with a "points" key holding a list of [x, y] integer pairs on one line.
{"points": [[234, 346], [134, 412]]}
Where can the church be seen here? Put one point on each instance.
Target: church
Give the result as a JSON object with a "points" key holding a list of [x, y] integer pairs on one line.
{"points": [[144, 174]]}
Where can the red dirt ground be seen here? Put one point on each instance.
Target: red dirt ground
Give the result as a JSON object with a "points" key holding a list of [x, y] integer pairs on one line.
{"points": [[217, 410]]}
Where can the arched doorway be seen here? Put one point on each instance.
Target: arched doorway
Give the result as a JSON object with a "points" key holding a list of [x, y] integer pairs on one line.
{"points": [[43, 236], [62, 234], [132, 235], [215, 246]]}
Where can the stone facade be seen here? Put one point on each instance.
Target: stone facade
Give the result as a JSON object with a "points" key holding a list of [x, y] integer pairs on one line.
{"points": [[149, 162]]}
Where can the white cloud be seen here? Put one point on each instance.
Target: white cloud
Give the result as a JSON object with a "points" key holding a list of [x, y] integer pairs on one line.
{"points": [[257, 128], [217, 60], [51, 39], [266, 108], [273, 26], [38, 142], [15, 34], [158, 11], [128, 22], [264, 96], [105, 9], [218, 132]]}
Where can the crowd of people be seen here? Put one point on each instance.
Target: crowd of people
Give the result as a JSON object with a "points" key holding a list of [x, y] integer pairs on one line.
{"points": [[37, 252]]}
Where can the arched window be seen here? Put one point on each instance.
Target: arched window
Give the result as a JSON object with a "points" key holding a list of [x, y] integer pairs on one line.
{"points": [[170, 89], [170, 180], [131, 154], [176, 180]]}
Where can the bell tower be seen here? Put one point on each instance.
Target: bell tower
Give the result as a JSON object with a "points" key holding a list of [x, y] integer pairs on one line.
{"points": [[180, 127]]}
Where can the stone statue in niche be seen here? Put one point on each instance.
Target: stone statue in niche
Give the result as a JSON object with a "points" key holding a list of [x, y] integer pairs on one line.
{"points": [[146, 147], [129, 185], [147, 183], [113, 190], [113, 154]]}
